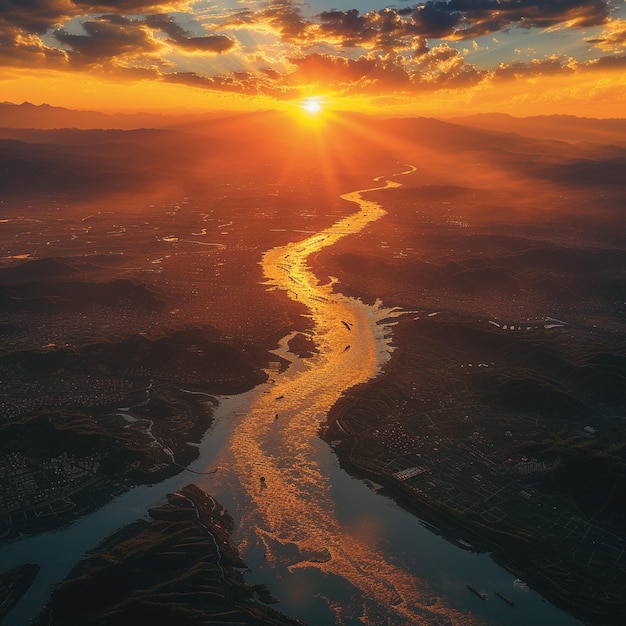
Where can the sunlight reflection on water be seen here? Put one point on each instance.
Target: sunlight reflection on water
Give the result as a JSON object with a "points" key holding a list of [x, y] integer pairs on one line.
{"points": [[331, 549], [277, 460]]}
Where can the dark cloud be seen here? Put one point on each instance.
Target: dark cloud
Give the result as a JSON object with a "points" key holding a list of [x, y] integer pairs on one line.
{"points": [[440, 68], [106, 37], [455, 19], [17, 50], [119, 6], [389, 29], [24, 22], [281, 15], [531, 69], [166, 24], [37, 16], [339, 72], [181, 38], [113, 35], [109, 39], [444, 67], [473, 18], [557, 67], [350, 26], [612, 38], [384, 30], [607, 63], [209, 43], [34, 16], [238, 82], [437, 20], [287, 18]]}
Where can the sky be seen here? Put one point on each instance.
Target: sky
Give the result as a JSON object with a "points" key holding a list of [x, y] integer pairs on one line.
{"points": [[441, 57]]}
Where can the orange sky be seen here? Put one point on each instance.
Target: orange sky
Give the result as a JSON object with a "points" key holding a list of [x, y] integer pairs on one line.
{"points": [[442, 57]]}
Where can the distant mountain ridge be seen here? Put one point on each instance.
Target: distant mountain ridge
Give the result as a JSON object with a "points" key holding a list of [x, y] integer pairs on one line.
{"points": [[47, 117], [561, 127], [86, 161]]}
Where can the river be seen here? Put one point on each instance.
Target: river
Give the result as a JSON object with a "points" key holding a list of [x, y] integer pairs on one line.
{"points": [[330, 548]]}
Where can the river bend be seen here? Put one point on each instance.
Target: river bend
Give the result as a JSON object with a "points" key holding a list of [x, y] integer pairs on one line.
{"points": [[330, 549]]}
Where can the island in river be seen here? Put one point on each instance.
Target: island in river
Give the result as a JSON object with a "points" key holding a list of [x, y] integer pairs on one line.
{"points": [[177, 568]]}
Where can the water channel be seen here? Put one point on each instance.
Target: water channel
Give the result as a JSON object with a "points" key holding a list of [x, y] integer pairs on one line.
{"points": [[331, 549]]}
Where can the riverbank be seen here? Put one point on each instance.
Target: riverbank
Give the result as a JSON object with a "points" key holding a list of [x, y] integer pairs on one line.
{"points": [[301, 518], [179, 567], [57, 465], [499, 417], [518, 549]]}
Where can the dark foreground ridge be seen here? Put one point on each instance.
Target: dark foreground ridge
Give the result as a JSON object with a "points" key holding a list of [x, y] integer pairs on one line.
{"points": [[178, 568]]}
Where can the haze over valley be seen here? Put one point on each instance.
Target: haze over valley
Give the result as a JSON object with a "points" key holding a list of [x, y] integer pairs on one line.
{"points": [[435, 308]]}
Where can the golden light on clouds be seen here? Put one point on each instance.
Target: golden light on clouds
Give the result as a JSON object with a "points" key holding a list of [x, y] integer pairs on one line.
{"points": [[612, 38], [85, 91], [251, 55]]}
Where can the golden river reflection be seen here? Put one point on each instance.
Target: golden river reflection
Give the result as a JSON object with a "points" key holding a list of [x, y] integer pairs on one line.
{"points": [[277, 461]]}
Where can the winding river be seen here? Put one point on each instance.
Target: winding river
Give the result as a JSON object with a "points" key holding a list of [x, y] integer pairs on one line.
{"points": [[330, 549]]}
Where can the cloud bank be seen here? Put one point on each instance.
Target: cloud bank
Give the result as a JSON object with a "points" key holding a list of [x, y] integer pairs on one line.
{"points": [[278, 50]]}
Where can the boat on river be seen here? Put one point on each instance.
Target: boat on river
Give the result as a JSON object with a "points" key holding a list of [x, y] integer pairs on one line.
{"points": [[481, 594], [507, 600]]}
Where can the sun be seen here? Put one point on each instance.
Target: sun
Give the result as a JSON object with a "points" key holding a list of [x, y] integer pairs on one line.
{"points": [[312, 106]]}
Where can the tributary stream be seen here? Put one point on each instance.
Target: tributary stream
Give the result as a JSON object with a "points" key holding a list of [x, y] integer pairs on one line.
{"points": [[330, 548]]}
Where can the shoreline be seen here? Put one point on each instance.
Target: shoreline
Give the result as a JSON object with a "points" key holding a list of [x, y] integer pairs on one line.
{"points": [[189, 519], [153, 438], [508, 554]]}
